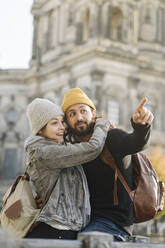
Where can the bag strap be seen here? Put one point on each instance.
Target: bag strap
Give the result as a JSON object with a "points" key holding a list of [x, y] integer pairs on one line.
{"points": [[26, 176], [107, 157], [47, 198]]}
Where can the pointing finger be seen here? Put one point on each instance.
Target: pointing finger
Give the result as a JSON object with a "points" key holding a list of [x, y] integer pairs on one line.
{"points": [[141, 105]]}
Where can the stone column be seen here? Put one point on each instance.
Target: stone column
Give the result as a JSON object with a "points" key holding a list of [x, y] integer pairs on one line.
{"points": [[97, 81], [135, 26], [86, 15], [108, 22], [73, 23], [93, 22], [63, 16], [99, 21], [42, 35], [54, 30], [132, 99], [35, 34], [50, 44], [163, 30], [105, 11], [160, 32], [127, 24]]}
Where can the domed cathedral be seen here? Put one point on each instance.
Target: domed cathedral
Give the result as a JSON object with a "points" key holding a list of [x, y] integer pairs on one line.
{"points": [[113, 50]]}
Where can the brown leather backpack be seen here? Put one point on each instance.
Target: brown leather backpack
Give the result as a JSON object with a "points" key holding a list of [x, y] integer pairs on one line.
{"points": [[148, 195]]}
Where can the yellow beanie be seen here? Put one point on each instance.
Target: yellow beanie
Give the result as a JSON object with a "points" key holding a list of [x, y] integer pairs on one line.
{"points": [[75, 96]]}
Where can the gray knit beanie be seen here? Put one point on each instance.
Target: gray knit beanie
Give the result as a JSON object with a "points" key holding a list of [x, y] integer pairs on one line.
{"points": [[40, 111]]}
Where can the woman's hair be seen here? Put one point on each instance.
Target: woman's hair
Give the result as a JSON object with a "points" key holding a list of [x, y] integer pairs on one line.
{"points": [[41, 130]]}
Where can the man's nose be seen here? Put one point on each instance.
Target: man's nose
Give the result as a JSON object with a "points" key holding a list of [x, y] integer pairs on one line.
{"points": [[79, 117]]}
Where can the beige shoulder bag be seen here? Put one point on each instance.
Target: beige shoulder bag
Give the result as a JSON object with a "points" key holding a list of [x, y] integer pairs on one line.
{"points": [[19, 211]]}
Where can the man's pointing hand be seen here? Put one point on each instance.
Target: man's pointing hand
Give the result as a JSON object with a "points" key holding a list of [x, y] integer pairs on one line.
{"points": [[142, 115]]}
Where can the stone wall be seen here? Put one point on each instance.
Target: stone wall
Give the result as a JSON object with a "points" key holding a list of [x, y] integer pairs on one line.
{"points": [[88, 240]]}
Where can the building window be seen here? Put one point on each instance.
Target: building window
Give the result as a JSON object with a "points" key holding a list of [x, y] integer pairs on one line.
{"points": [[147, 23], [113, 111], [116, 25], [9, 169], [12, 117], [147, 17]]}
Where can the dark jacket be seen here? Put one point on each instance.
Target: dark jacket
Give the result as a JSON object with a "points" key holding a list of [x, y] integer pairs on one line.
{"points": [[100, 176]]}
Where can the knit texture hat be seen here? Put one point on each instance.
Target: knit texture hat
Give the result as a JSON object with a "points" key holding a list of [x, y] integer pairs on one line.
{"points": [[40, 111], [75, 96]]}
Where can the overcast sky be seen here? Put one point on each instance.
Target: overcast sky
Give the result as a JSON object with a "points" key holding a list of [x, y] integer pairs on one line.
{"points": [[15, 33]]}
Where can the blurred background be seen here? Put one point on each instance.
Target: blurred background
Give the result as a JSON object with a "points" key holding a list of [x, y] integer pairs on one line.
{"points": [[112, 49]]}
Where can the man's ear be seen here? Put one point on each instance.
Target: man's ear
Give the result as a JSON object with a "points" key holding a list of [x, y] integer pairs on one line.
{"points": [[94, 113]]}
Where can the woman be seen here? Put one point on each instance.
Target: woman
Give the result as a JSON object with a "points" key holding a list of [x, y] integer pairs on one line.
{"points": [[51, 161]]}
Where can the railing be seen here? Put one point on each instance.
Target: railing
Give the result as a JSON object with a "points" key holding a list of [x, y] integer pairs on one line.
{"points": [[85, 240]]}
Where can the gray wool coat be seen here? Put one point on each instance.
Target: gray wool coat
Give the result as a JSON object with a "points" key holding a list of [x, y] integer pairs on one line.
{"points": [[51, 162]]}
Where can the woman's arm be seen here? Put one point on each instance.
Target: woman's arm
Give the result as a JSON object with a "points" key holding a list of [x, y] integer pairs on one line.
{"points": [[63, 156]]}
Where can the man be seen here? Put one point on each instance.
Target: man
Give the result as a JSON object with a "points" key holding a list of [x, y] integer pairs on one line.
{"points": [[106, 215]]}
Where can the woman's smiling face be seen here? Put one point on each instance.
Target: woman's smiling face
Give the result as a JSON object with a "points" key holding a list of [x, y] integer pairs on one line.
{"points": [[54, 129]]}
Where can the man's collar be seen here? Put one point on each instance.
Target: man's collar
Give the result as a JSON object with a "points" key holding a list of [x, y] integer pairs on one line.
{"points": [[83, 139]]}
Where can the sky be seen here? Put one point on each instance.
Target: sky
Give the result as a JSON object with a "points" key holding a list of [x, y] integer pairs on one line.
{"points": [[16, 30]]}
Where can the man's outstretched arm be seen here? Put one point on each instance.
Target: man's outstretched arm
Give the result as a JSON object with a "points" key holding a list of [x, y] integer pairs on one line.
{"points": [[124, 143]]}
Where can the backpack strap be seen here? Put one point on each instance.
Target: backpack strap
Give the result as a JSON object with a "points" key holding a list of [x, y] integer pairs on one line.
{"points": [[106, 156], [48, 196], [27, 177]]}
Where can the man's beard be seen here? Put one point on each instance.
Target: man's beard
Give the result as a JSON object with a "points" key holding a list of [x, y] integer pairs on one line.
{"points": [[83, 131]]}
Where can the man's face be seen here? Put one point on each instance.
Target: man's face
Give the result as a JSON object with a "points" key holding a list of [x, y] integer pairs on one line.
{"points": [[80, 118]]}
